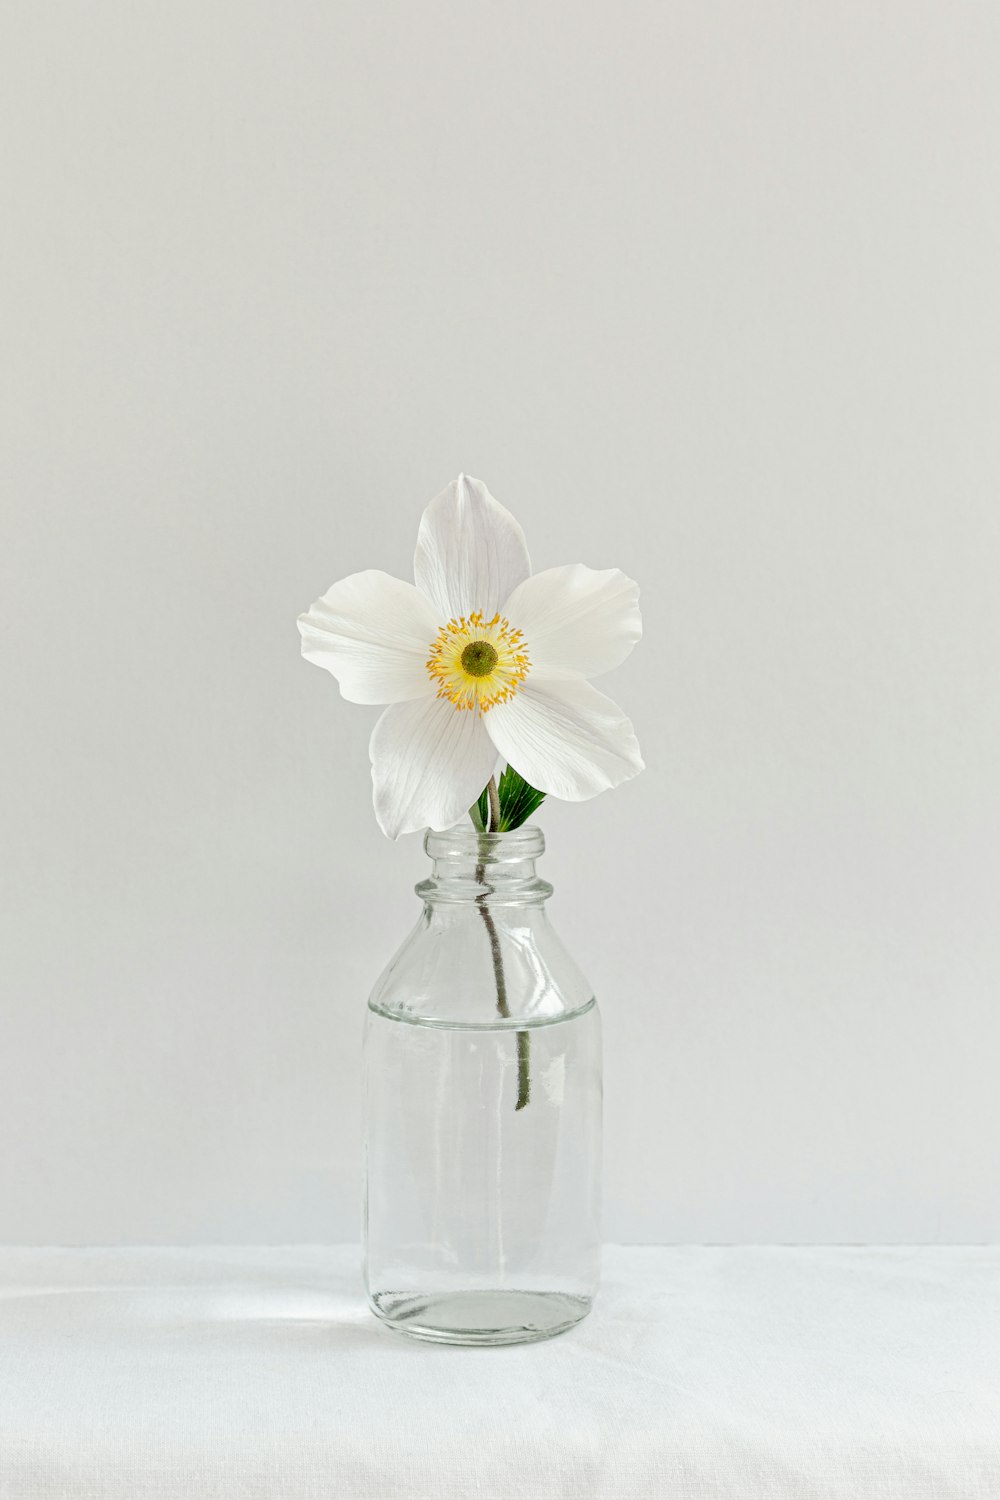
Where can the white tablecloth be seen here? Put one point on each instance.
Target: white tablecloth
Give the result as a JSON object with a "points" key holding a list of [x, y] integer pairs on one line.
{"points": [[744, 1373]]}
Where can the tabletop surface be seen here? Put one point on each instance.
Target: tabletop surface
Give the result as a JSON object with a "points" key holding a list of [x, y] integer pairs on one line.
{"points": [[732, 1372]]}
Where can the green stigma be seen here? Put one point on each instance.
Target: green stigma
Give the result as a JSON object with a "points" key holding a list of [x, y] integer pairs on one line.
{"points": [[479, 658]]}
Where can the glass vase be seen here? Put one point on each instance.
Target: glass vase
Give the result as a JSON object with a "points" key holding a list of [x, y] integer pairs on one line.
{"points": [[482, 1108]]}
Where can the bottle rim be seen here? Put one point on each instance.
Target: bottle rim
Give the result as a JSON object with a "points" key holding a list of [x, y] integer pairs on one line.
{"points": [[526, 842]]}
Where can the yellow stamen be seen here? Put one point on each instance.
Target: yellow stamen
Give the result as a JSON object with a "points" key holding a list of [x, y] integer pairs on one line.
{"points": [[478, 662]]}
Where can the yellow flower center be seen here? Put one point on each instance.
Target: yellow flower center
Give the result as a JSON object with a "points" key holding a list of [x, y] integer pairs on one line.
{"points": [[478, 662]]}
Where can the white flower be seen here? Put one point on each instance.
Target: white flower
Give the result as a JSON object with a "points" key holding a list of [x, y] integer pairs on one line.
{"points": [[481, 661]]}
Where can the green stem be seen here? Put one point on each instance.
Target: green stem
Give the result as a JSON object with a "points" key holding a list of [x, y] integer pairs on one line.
{"points": [[523, 1037], [493, 796]]}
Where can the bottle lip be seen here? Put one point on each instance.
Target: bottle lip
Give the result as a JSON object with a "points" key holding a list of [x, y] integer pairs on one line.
{"points": [[526, 842]]}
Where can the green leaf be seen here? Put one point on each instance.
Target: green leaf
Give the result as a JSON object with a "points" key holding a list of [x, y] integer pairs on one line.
{"points": [[479, 812], [518, 800]]}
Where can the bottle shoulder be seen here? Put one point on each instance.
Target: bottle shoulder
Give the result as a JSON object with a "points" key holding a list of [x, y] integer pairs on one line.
{"points": [[498, 966]]}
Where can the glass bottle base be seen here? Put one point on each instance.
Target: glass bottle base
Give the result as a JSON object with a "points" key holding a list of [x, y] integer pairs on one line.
{"points": [[497, 1317]]}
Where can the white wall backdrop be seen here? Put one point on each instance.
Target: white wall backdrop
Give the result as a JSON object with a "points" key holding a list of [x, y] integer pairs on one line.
{"points": [[707, 291]]}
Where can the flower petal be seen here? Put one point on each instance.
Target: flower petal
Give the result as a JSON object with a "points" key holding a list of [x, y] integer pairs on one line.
{"points": [[565, 738], [373, 632], [430, 761], [577, 622], [471, 553]]}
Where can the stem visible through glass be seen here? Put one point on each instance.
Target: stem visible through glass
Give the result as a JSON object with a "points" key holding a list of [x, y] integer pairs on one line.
{"points": [[523, 1038]]}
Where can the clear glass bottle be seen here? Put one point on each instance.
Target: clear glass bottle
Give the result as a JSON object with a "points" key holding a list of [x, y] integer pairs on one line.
{"points": [[482, 1108]]}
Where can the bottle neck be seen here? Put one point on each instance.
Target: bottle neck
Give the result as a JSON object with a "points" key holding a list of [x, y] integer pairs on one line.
{"points": [[484, 869]]}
